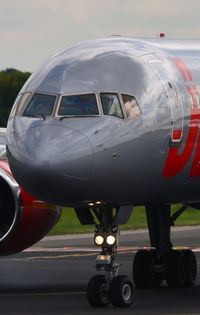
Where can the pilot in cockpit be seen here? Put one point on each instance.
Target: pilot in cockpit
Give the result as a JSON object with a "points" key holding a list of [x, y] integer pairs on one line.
{"points": [[131, 106]]}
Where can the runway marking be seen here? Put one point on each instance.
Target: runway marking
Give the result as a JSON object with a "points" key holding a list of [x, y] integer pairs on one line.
{"points": [[77, 252], [65, 256], [60, 249], [79, 249], [42, 294], [96, 249], [50, 257]]}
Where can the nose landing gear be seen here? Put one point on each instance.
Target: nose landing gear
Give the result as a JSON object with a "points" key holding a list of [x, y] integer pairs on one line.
{"points": [[150, 267], [118, 290], [111, 287], [108, 287]]}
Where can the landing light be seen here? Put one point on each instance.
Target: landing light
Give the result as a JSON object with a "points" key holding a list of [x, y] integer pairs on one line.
{"points": [[99, 240], [105, 240], [110, 240]]}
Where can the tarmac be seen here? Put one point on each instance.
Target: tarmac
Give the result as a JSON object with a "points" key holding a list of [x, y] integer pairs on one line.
{"points": [[51, 277]]}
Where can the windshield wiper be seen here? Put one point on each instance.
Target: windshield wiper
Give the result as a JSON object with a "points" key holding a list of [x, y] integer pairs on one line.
{"points": [[36, 116], [77, 116], [71, 116]]}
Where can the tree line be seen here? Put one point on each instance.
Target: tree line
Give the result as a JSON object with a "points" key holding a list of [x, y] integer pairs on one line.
{"points": [[11, 82]]}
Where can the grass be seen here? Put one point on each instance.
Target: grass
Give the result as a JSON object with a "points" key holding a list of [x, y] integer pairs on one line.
{"points": [[69, 224]]}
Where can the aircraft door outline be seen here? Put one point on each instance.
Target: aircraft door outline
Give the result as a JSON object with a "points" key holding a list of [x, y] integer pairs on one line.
{"points": [[174, 99]]}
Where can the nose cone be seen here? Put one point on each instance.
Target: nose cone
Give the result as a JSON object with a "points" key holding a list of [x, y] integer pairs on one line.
{"points": [[60, 148], [53, 160]]}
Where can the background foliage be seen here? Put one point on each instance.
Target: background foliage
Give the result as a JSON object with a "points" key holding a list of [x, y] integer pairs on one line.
{"points": [[11, 82]]}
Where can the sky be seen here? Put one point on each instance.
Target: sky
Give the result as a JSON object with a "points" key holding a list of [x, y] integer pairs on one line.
{"points": [[33, 30]]}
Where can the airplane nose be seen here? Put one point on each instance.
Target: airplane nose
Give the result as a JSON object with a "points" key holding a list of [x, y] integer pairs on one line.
{"points": [[59, 148], [53, 159]]}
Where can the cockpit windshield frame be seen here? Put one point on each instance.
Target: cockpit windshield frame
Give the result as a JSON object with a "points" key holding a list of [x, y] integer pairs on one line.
{"points": [[120, 110], [20, 104], [58, 99], [42, 115], [77, 115]]}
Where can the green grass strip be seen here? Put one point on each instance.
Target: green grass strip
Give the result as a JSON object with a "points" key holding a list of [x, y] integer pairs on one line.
{"points": [[69, 224]]}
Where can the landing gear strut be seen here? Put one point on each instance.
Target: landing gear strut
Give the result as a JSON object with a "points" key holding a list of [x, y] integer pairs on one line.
{"points": [[151, 267], [108, 287]]}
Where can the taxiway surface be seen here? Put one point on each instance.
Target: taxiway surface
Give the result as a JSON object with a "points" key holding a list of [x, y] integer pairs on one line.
{"points": [[51, 278]]}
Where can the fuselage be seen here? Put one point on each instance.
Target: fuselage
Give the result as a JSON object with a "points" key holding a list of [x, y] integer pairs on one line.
{"points": [[120, 124]]}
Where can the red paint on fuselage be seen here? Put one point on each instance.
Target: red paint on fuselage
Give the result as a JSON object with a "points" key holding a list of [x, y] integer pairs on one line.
{"points": [[176, 161]]}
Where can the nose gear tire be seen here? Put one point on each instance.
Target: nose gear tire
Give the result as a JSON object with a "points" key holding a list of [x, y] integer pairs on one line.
{"points": [[97, 291], [121, 291]]}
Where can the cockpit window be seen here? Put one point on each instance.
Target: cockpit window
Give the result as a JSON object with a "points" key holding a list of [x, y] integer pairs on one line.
{"points": [[20, 104], [131, 106], [2, 151], [78, 105], [40, 105], [110, 104]]}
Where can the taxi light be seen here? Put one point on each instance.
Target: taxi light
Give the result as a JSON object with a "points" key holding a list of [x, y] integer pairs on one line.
{"points": [[110, 240], [99, 240], [103, 260]]}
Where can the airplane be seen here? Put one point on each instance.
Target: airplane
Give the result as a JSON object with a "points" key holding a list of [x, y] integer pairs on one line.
{"points": [[24, 220], [107, 125]]}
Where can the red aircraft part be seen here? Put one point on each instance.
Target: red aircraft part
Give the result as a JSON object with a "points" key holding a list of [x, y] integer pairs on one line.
{"points": [[23, 219], [176, 160]]}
